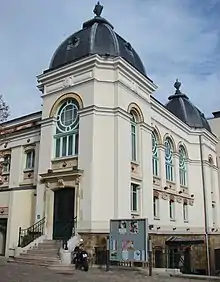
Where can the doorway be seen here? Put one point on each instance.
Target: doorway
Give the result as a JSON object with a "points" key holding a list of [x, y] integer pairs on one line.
{"points": [[187, 261], [158, 258], [217, 260], [63, 217], [3, 232]]}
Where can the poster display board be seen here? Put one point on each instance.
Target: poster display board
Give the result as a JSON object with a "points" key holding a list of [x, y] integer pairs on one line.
{"points": [[128, 240]]}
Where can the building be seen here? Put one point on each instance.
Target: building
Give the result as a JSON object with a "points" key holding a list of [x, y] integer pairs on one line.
{"points": [[104, 148]]}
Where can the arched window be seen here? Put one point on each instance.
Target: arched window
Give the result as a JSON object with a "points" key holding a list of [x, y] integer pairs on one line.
{"points": [[172, 209], [182, 166], [155, 154], [67, 129], [133, 136], [185, 212], [211, 174], [30, 159], [169, 163], [156, 206], [7, 163]]}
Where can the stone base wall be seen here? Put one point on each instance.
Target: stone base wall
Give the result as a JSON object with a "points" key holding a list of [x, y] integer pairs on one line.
{"points": [[94, 242], [198, 252], [214, 250]]}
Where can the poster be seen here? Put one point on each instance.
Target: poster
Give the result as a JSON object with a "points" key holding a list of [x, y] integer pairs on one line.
{"points": [[122, 227], [137, 255], [127, 245], [134, 228]]}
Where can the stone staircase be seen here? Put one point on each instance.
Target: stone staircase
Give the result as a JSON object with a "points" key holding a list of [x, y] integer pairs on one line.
{"points": [[45, 254]]}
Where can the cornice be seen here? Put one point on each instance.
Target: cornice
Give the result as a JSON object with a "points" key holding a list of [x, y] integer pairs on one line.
{"points": [[86, 69], [104, 110], [47, 121], [161, 110]]}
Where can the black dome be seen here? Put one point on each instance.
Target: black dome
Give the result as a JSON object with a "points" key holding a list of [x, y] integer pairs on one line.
{"points": [[182, 108], [96, 37]]}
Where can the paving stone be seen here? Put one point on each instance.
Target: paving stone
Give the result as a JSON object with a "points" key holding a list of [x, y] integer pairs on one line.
{"points": [[30, 273]]}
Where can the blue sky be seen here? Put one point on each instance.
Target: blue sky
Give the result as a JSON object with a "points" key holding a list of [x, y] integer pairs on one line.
{"points": [[175, 39]]}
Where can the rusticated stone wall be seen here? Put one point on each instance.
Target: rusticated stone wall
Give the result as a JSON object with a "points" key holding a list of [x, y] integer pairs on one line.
{"points": [[198, 252]]}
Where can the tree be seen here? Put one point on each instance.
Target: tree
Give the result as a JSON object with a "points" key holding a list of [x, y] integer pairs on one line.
{"points": [[4, 114], [4, 110]]}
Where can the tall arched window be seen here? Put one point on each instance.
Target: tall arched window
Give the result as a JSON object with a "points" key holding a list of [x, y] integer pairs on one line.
{"points": [[133, 136], [169, 163], [182, 166], [67, 129], [211, 174], [155, 154]]}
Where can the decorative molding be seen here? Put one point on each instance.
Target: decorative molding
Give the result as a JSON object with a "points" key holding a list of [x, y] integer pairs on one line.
{"points": [[157, 194], [60, 183], [29, 147], [179, 200], [191, 202], [164, 196], [3, 211], [68, 81], [63, 97]]}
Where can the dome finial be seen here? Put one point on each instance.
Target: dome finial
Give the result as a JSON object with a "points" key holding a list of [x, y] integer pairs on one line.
{"points": [[177, 85], [98, 9]]}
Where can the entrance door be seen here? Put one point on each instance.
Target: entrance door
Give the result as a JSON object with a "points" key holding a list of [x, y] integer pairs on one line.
{"points": [[217, 260], [63, 213], [187, 261], [3, 232]]}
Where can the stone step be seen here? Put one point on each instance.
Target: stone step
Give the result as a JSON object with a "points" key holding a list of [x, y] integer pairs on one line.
{"points": [[30, 262], [39, 257], [49, 244], [62, 268], [37, 261], [47, 247], [42, 254], [46, 251]]}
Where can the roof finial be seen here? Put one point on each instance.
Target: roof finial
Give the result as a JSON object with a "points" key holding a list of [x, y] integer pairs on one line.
{"points": [[98, 9], [177, 85]]}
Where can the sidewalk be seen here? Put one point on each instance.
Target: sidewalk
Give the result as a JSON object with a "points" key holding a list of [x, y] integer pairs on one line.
{"points": [[2, 261], [196, 277]]}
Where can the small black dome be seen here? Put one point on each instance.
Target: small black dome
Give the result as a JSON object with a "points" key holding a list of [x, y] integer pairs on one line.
{"points": [[96, 37], [182, 108]]}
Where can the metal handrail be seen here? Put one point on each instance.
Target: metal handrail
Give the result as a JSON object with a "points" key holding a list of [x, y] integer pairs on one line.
{"points": [[28, 235], [72, 224]]}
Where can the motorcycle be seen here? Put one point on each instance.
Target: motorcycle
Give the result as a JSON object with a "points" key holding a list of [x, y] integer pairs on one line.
{"points": [[81, 260]]}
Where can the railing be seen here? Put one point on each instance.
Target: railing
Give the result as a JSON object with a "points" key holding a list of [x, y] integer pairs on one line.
{"points": [[69, 230], [28, 235]]}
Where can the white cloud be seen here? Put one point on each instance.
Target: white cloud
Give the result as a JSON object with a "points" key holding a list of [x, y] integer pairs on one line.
{"points": [[174, 39]]}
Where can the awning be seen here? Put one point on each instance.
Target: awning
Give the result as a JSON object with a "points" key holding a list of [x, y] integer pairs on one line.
{"points": [[175, 241]]}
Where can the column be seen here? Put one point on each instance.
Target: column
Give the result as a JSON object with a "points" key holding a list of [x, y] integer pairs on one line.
{"points": [[176, 172], [162, 166], [45, 157], [147, 172]]}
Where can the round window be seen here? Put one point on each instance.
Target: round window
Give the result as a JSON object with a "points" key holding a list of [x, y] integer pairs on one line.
{"points": [[67, 118]]}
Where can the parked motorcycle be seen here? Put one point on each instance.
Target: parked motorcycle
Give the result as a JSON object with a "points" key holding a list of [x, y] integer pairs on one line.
{"points": [[81, 260]]}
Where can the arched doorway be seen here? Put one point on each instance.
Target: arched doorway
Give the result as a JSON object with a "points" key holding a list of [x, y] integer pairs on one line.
{"points": [[63, 217]]}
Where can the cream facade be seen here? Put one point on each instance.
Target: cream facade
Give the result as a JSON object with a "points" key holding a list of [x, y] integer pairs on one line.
{"points": [[119, 153]]}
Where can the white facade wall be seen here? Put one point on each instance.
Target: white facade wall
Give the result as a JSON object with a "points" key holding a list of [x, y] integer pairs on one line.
{"points": [[107, 89]]}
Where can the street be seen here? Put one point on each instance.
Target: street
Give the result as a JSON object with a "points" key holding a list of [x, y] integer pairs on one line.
{"points": [[29, 273]]}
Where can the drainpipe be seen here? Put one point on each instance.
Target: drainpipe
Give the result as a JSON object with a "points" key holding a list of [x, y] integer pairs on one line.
{"points": [[205, 206]]}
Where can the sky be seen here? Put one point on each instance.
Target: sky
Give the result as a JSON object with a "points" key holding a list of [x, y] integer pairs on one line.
{"points": [[175, 39]]}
